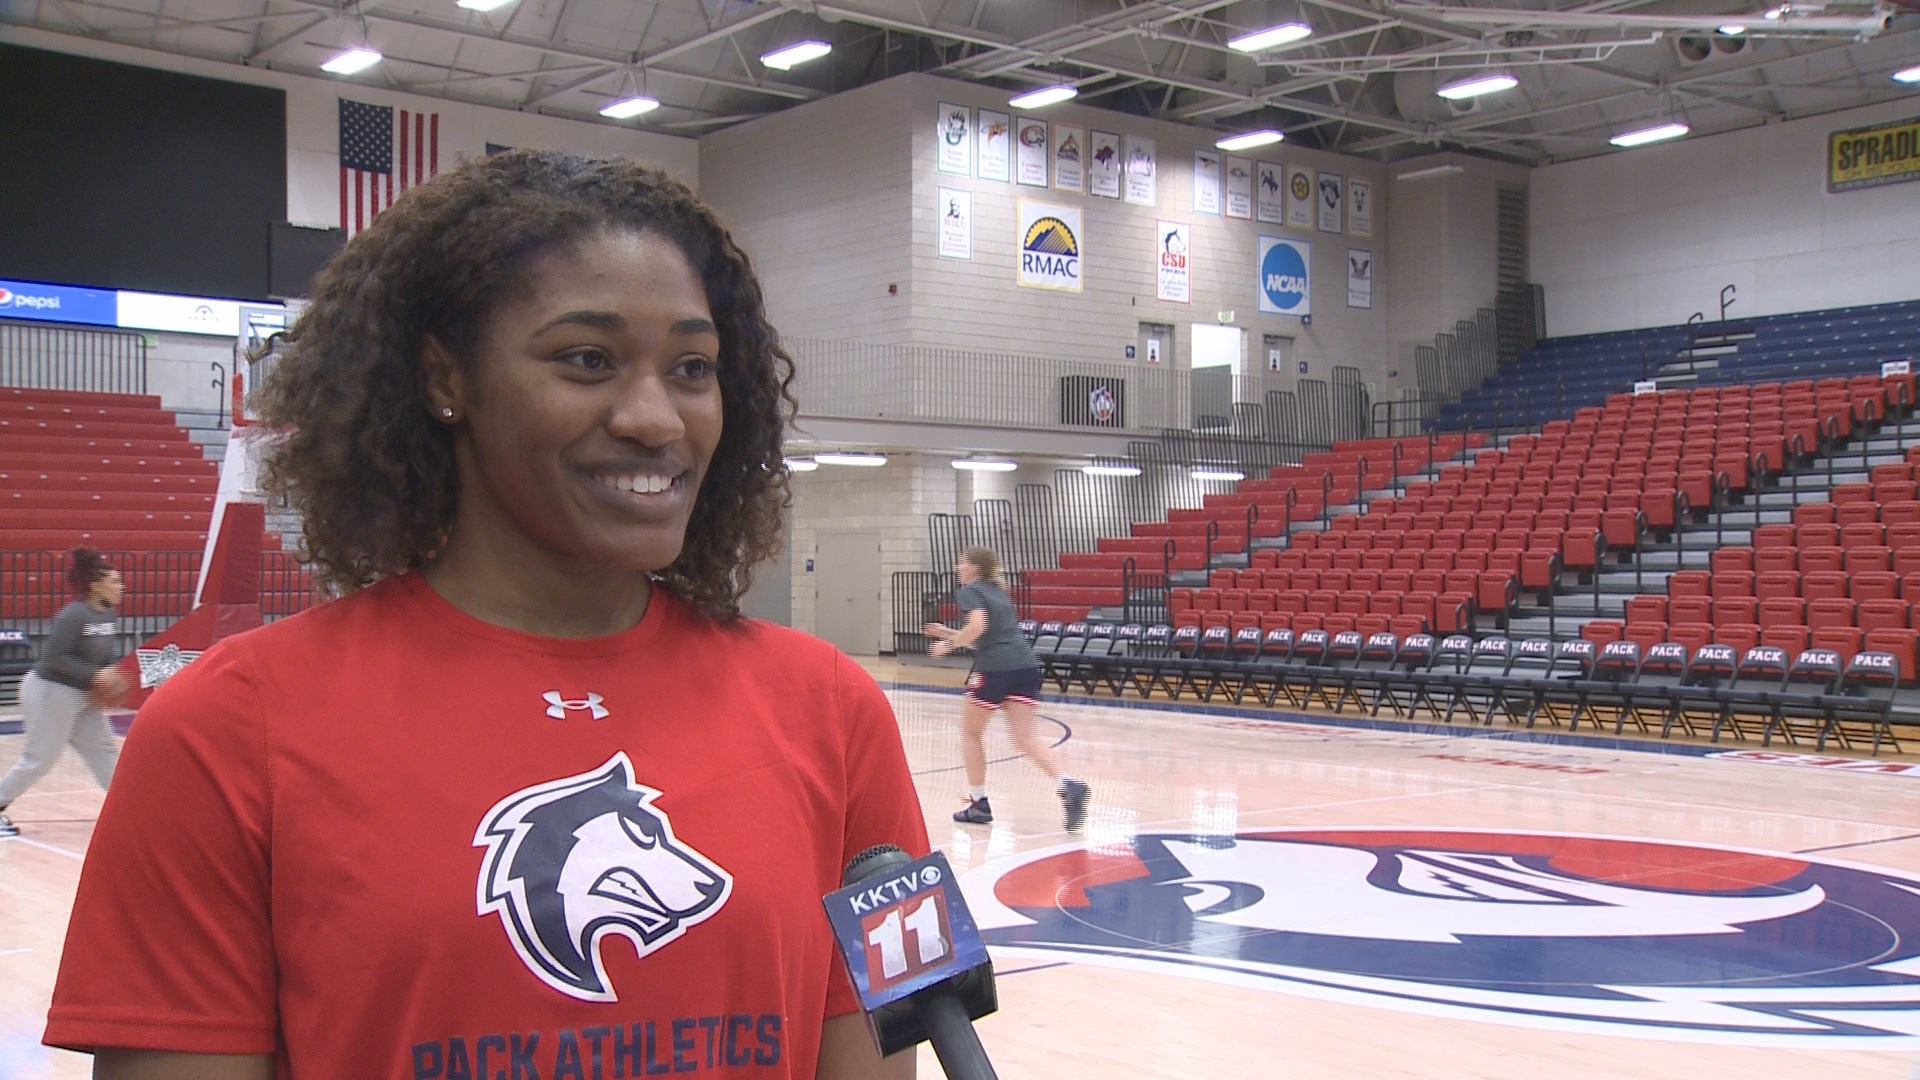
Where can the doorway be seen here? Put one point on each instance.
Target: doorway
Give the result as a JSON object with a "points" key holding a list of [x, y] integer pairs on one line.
{"points": [[848, 583]]}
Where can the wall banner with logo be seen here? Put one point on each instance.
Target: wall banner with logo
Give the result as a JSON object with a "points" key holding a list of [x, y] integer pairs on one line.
{"points": [[1360, 207], [1239, 188], [1283, 276], [1103, 167], [955, 227], [1174, 267], [1332, 203], [954, 140], [1049, 245], [1142, 171], [1069, 158], [996, 139], [1030, 152], [1270, 199], [1299, 197], [1206, 182], [1359, 278], [1871, 156]]}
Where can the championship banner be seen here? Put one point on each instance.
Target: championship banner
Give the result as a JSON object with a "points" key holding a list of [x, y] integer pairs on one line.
{"points": [[1871, 156], [1174, 269], [1049, 239]]}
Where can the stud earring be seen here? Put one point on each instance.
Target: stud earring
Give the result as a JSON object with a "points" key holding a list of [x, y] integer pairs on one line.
{"points": [[446, 413]]}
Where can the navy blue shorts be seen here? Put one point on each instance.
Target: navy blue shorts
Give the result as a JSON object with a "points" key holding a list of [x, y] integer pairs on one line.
{"points": [[995, 688]]}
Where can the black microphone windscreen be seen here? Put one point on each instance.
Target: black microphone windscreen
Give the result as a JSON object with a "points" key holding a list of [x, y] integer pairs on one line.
{"points": [[874, 860]]}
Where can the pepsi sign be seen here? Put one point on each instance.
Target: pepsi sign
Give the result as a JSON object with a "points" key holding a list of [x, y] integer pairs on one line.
{"points": [[57, 303], [1284, 278]]}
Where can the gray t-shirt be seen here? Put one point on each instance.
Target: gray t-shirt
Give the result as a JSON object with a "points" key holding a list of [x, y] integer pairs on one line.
{"points": [[1002, 647], [80, 642]]}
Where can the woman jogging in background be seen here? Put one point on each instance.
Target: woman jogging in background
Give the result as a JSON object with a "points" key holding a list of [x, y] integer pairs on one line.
{"points": [[1006, 675], [73, 680]]}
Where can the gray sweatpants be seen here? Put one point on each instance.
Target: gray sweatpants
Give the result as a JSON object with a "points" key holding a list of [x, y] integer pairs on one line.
{"points": [[55, 716]]}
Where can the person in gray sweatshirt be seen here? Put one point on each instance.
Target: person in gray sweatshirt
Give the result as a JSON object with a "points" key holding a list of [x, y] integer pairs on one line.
{"points": [[73, 680]]}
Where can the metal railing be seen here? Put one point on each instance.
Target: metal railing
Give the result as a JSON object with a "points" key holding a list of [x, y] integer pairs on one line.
{"points": [[160, 587], [48, 357]]}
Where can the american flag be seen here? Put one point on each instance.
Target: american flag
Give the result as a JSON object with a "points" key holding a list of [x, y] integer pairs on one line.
{"points": [[379, 158]]}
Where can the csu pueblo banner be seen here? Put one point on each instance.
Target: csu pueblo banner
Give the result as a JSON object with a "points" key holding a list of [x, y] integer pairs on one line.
{"points": [[1283, 275], [1871, 156], [127, 310]]}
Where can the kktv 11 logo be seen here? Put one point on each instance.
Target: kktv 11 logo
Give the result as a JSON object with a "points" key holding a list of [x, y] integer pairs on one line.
{"points": [[1610, 935], [904, 930]]}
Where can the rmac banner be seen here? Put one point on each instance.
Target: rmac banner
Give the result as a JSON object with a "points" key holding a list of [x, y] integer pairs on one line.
{"points": [[1283, 276], [1050, 256], [1871, 156]]}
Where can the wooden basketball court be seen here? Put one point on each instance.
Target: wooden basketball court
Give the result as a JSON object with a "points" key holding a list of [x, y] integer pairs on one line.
{"points": [[1257, 896]]}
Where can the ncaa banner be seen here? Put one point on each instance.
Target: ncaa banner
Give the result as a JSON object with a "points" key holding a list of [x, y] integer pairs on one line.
{"points": [[1049, 242], [1871, 156], [1283, 276], [1174, 271]]}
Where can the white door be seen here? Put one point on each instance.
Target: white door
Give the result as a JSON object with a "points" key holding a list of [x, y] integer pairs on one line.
{"points": [[849, 587]]}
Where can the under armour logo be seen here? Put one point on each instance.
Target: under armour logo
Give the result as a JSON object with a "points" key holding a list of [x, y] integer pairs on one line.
{"points": [[558, 707]]}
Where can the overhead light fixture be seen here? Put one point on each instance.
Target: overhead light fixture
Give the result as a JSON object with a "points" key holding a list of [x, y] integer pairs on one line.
{"points": [[481, 5], [1247, 140], [863, 461], [1659, 133], [1111, 470], [801, 464], [788, 57], [1430, 171], [1045, 96], [1733, 29], [1774, 14], [630, 107], [1908, 75], [1229, 475], [985, 464], [1461, 89], [352, 62], [1271, 38]]}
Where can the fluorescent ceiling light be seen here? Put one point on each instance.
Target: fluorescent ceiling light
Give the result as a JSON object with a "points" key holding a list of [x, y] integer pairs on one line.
{"points": [[1234, 475], [1247, 140], [352, 62], [481, 5], [1650, 135], [984, 464], [1045, 96], [1907, 75], [628, 108], [1733, 29], [864, 461], [788, 57], [801, 464], [1430, 171], [1461, 89], [1111, 470], [1271, 38]]}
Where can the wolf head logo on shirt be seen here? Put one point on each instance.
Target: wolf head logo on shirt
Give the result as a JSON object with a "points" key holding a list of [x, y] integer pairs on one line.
{"points": [[572, 860]]}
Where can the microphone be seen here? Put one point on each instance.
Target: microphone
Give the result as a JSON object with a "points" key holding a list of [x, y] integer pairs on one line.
{"points": [[915, 957]]}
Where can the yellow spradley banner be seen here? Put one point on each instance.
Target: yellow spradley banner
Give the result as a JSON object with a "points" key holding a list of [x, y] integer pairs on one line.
{"points": [[1871, 156]]}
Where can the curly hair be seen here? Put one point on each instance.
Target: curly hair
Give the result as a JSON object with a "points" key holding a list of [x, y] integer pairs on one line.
{"points": [[84, 567], [356, 452]]}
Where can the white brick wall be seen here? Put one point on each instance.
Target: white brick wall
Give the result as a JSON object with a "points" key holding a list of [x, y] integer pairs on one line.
{"points": [[817, 195], [894, 500], [1443, 263], [1647, 237]]}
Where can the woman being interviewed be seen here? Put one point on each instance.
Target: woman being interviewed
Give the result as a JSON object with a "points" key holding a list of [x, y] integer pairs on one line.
{"points": [[1006, 675], [532, 799]]}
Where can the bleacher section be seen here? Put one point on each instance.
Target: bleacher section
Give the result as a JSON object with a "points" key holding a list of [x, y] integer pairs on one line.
{"points": [[1560, 375], [119, 473], [1228, 526]]}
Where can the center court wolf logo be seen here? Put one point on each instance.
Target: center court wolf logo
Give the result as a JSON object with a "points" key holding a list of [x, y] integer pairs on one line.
{"points": [[1648, 939], [573, 860]]}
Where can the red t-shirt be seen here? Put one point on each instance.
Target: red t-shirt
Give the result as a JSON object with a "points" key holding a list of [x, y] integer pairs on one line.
{"points": [[386, 839]]}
